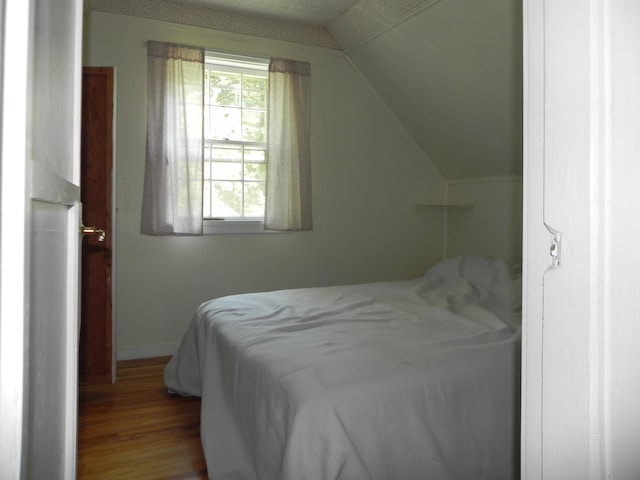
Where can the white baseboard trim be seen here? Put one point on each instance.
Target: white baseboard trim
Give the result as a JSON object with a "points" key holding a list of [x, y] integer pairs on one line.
{"points": [[146, 351]]}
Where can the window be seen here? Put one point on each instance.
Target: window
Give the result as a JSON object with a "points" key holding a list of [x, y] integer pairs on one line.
{"points": [[235, 140], [193, 181]]}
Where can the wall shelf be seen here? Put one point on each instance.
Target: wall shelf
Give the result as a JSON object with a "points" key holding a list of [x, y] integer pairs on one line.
{"points": [[448, 206]]}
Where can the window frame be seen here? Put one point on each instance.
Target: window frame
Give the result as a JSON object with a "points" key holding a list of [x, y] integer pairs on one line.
{"points": [[245, 65]]}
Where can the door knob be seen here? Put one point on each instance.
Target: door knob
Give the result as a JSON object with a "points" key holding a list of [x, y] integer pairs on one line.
{"points": [[93, 231]]}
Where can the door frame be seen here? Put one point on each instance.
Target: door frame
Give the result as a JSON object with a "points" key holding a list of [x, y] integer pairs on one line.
{"points": [[25, 182], [14, 233]]}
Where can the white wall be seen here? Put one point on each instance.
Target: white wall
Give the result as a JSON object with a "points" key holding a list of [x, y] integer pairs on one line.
{"points": [[493, 226], [368, 174]]}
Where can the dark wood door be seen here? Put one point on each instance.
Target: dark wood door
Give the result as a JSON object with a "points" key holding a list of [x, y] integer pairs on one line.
{"points": [[96, 362]]}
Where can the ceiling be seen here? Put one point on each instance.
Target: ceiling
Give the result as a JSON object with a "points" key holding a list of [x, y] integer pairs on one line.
{"points": [[339, 24], [449, 70], [310, 12]]}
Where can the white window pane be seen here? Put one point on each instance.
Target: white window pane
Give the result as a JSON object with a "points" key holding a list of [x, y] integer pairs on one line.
{"points": [[227, 97], [227, 199], [226, 171], [255, 171], [249, 82], [253, 99], [254, 126], [219, 78], [225, 123], [255, 155], [227, 152], [224, 88], [254, 199]]}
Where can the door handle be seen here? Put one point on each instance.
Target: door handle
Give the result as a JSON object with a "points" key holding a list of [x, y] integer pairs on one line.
{"points": [[93, 231]]}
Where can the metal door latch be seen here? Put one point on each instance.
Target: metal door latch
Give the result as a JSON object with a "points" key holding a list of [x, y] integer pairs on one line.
{"points": [[93, 231], [555, 248]]}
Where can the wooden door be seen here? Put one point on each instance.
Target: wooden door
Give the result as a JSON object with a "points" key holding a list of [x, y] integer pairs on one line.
{"points": [[97, 361], [39, 238]]}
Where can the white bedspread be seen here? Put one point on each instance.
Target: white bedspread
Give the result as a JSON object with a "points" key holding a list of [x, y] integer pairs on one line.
{"points": [[391, 381]]}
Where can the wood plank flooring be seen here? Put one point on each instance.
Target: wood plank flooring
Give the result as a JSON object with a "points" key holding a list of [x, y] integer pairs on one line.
{"points": [[134, 429]]}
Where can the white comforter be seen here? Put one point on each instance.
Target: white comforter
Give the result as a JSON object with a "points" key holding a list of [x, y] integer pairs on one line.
{"points": [[391, 381]]}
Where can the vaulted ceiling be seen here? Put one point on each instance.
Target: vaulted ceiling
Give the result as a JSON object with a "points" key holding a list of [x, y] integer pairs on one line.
{"points": [[449, 70]]}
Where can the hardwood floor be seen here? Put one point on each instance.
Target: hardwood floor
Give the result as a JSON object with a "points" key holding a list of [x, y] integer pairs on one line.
{"points": [[134, 429]]}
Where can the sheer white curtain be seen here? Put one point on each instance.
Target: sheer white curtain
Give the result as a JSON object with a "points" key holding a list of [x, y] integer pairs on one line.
{"points": [[288, 189], [172, 198]]}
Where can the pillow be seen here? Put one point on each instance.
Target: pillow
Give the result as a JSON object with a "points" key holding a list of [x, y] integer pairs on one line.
{"points": [[483, 281], [485, 272]]}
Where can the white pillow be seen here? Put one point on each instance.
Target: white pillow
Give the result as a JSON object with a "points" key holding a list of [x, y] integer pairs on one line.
{"points": [[481, 281]]}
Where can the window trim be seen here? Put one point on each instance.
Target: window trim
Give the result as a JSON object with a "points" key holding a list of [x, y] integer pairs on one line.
{"points": [[229, 226], [246, 62]]}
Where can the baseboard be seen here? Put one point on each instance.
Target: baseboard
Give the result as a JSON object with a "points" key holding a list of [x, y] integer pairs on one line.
{"points": [[146, 351]]}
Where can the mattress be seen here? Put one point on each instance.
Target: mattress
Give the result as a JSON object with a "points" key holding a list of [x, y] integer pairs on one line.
{"points": [[415, 379]]}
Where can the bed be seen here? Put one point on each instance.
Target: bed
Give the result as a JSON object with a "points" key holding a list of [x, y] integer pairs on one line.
{"points": [[402, 380]]}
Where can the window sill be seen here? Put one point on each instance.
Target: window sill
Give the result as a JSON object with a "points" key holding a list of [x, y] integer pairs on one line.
{"points": [[235, 227]]}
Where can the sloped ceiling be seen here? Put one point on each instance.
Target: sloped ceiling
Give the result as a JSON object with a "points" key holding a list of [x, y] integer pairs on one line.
{"points": [[450, 70], [452, 74]]}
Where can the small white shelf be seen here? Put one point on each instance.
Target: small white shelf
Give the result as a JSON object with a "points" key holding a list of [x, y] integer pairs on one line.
{"points": [[448, 206]]}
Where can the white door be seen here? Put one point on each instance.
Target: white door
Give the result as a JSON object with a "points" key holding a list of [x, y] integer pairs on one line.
{"points": [[39, 240], [562, 362], [581, 387]]}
